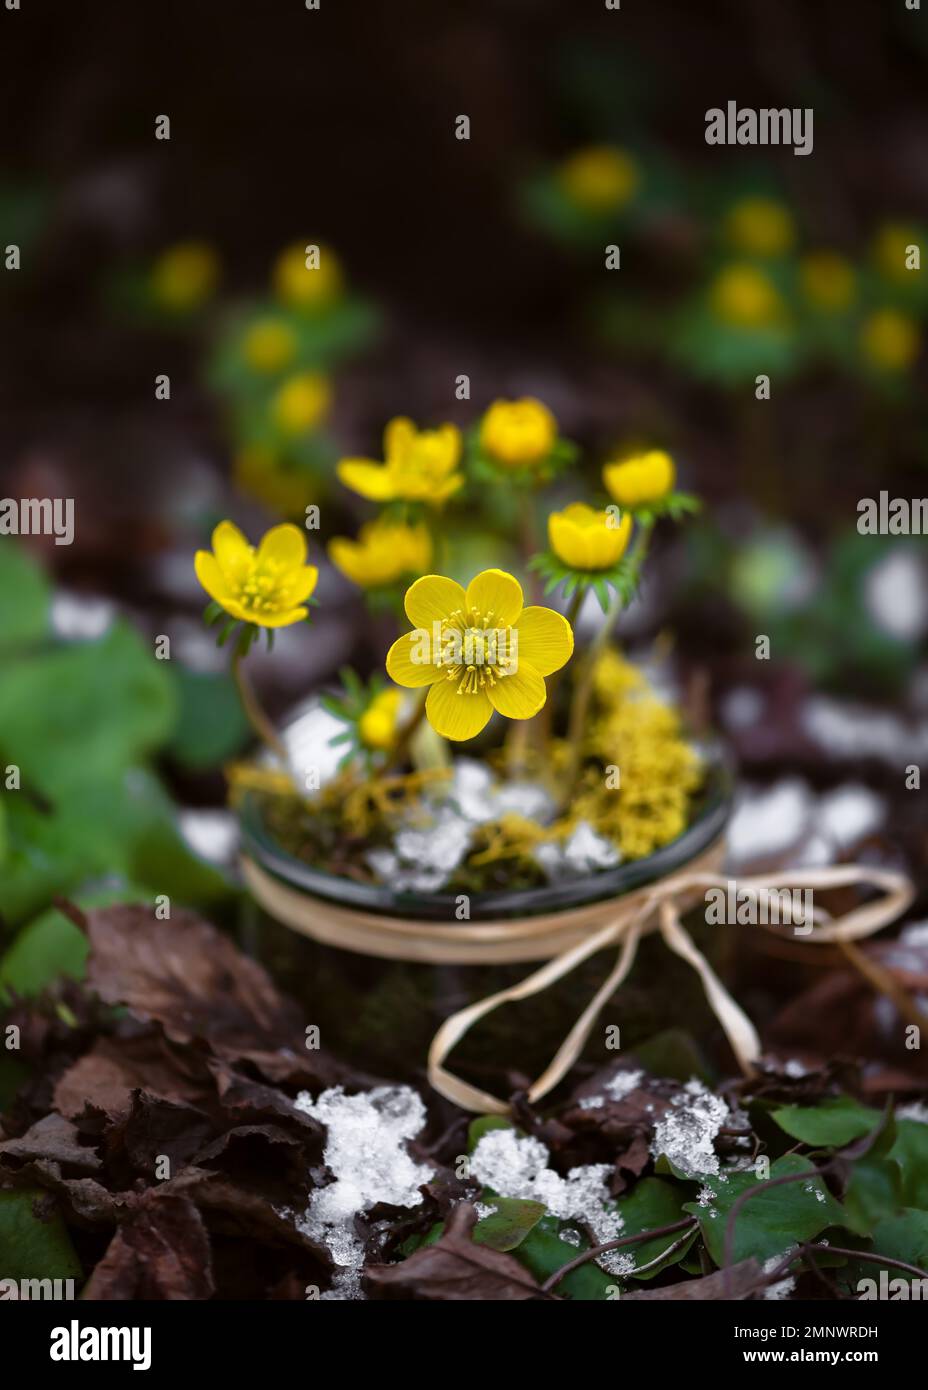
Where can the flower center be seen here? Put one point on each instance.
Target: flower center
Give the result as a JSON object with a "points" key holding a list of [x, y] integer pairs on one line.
{"points": [[477, 652], [260, 591]]}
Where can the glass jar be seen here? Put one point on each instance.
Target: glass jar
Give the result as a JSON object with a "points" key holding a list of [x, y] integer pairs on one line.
{"points": [[380, 1015]]}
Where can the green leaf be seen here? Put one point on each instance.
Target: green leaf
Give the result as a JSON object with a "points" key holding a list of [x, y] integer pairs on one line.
{"points": [[773, 1219], [211, 725], [49, 946], [83, 709], [34, 1242], [833, 1123], [910, 1151], [481, 1126], [652, 1203], [542, 1252], [25, 597], [120, 825], [509, 1224], [902, 1237]]}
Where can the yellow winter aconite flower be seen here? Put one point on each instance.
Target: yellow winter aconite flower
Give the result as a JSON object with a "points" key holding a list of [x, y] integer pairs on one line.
{"points": [[383, 552], [518, 433], [760, 227], [599, 179], [586, 539], [640, 481], [479, 650], [301, 403], [420, 465], [890, 340], [303, 286], [267, 586], [891, 251], [184, 276], [377, 725], [828, 280], [743, 296], [269, 345]]}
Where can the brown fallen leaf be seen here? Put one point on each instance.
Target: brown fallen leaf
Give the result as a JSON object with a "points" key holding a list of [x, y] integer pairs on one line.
{"points": [[190, 978], [106, 1076], [53, 1138], [161, 1251], [734, 1283], [455, 1269]]}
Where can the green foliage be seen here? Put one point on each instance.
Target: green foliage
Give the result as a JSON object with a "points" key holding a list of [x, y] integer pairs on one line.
{"points": [[81, 720], [211, 726], [775, 1217], [34, 1243]]}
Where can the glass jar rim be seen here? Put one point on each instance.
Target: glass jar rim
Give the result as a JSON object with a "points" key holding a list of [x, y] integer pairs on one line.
{"points": [[713, 806]]}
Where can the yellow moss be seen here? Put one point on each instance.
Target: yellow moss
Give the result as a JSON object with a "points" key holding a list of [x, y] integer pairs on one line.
{"points": [[657, 770], [510, 837]]}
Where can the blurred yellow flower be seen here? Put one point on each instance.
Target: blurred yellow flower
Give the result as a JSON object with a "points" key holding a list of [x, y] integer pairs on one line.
{"points": [[828, 280], [519, 433], [184, 276], [586, 539], [383, 552], [267, 586], [640, 481], [269, 345], [890, 251], [745, 297], [260, 474], [377, 725], [420, 465], [301, 402], [303, 286], [890, 340], [760, 227], [599, 179], [479, 650]]}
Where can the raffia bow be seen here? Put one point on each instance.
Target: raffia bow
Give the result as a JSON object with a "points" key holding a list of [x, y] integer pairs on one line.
{"points": [[565, 939]]}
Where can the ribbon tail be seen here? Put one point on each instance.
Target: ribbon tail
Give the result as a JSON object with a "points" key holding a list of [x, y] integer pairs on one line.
{"points": [[739, 1029], [470, 1097]]}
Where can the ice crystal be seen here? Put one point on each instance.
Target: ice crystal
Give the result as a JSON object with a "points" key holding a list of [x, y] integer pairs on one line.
{"points": [[517, 1166], [366, 1153], [584, 852], [685, 1134], [783, 1287]]}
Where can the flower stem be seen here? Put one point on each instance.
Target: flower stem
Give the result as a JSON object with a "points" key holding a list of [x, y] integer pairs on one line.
{"points": [[583, 683], [544, 723], [404, 737], [255, 714]]}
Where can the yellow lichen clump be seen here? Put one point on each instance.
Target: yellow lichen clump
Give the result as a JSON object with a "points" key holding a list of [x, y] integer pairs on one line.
{"points": [[657, 770]]}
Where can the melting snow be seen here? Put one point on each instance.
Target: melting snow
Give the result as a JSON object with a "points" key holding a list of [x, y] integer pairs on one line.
{"points": [[366, 1153]]}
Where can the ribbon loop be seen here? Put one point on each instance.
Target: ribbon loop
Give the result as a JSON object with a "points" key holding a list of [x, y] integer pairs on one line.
{"points": [[565, 939]]}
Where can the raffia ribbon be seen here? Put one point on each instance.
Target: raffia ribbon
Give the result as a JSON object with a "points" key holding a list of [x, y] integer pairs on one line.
{"points": [[565, 939]]}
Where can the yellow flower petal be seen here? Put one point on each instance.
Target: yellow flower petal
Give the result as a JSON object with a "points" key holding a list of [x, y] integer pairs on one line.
{"points": [[299, 589], [211, 576], [398, 435], [432, 599], [455, 716], [232, 551], [283, 546], [368, 479], [496, 593], [520, 695], [292, 615], [568, 540], [401, 667], [546, 640]]}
